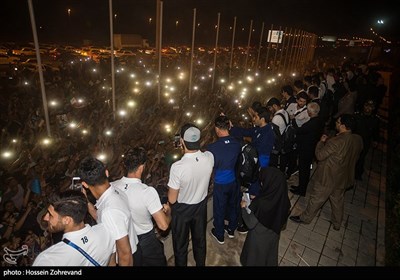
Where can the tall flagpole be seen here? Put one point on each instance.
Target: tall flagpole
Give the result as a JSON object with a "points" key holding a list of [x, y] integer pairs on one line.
{"points": [[215, 54], [269, 46], [287, 49], [192, 54], [159, 20], [259, 45], [248, 47], [277, 47], [112, 56], [282, 49], [36, 41], [232, 48]]}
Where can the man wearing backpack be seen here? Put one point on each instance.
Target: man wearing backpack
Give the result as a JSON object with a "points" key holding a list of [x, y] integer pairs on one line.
{"points": [[226, 190], [281, 120], [262, 138]]}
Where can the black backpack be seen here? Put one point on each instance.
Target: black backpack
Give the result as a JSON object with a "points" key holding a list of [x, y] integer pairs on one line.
{"points": [[247, 165], [285, 142]]}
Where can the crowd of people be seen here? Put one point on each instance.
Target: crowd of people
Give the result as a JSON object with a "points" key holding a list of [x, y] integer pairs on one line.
{"points": [[41, 216]]}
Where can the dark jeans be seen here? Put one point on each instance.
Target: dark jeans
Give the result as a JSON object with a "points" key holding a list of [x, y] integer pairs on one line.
{"points": [[150, 251], [225, 200], [191, 217]]}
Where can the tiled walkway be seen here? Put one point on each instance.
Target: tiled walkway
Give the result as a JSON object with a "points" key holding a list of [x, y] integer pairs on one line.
{"points": [[359, 242]]}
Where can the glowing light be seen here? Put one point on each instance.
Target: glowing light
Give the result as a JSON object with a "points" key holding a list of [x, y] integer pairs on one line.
{"points": [[168, 80], [132, 75], [199, 121], [84, 132], [94, 70], [258, 88], [136, 90], [230, 87], [148, 83], [195, 87], [279, 75], [171, 101], [53, 103], [6, 154], [122, 113], [222, 81], [250, 78], [101, 156], [80, 100], [294, 74], [14, 141], [240, 82], [202, 77], [188, 114], [175, 156], [72, 125], [46, 141], [26, 83], [131, 103], [108, 132]]}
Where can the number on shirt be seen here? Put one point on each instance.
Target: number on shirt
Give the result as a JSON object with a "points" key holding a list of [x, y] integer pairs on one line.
{"points": [[84, 240]]}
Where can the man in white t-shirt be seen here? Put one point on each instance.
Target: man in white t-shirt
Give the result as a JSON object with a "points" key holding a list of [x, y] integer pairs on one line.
{"points": [[144, 204], [112, 209], [188, 183], [66, 213]]}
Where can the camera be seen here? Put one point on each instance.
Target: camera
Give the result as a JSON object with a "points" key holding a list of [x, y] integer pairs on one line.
{"points": [[177, 142], [76, 184]]}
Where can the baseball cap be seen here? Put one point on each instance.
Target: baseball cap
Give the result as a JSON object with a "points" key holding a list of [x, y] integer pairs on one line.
{"points": [[191, 136]]}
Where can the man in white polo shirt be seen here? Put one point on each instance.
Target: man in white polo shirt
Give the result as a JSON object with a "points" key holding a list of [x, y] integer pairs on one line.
{"points": [[81, 245], [188, 186], [112, 210], [144, 204]]}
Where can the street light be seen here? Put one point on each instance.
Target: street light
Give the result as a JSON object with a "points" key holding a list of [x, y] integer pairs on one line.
{"points": [[69, 12]]}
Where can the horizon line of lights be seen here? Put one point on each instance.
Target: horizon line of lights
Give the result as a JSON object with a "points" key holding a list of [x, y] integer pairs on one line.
{"points": [[380, 37]]}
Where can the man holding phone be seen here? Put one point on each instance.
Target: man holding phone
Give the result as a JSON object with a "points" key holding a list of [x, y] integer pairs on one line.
{"points": [[188, 183]]}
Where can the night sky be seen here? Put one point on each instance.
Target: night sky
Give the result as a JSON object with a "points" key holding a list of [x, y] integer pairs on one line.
{"points": [[89, 19]]}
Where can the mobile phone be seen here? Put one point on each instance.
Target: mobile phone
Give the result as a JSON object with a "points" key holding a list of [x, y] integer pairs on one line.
{"points": [[76, 183], [177, 142]]}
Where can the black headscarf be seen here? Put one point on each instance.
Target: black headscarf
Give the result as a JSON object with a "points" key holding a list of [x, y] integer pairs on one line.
{"points": [[271, 207]]}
